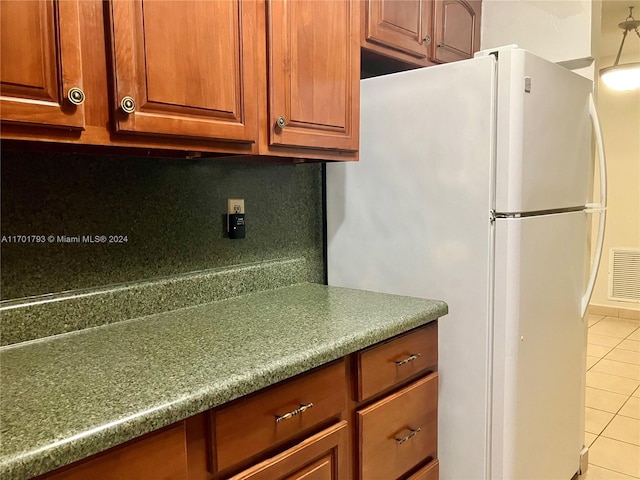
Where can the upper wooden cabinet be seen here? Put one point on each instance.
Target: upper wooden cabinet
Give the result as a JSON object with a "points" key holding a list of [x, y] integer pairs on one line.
{"points": [[252, 77], [185, 68], [313, 74], [421, 32], [457, 29], [41, 75], [404, 26]]}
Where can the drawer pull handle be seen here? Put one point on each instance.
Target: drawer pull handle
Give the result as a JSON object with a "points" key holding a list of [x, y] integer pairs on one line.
{"points": [[410, 358], [413, 433], [293, 413]]}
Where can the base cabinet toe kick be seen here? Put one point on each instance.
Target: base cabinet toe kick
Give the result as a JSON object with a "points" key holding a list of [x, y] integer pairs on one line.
{"points": [[371, 415]]}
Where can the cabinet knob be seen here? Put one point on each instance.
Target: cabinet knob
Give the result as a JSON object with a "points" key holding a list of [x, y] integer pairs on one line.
{"points": [[281, 122], [128, 104], [75, 96], [427, 40]]}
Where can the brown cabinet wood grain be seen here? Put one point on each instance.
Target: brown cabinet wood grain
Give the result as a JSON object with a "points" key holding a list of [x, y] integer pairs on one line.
{"points": [[313, 74], [457, 29], [385, 365], [420, 32], [430, 472], [174, 453], [256, 423], [187, 68], [404, 26], [41, 63], [398, 432], [185, 75], [323, 456]]}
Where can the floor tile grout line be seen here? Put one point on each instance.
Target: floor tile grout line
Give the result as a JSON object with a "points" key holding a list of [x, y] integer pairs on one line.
{"points": [[617, 376], [614, 414], [618, 440], [609, 469], [621, 361], [615, 440]]}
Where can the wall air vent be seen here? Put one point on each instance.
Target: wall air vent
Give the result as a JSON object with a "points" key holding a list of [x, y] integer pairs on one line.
{"points": [[624, 274]]}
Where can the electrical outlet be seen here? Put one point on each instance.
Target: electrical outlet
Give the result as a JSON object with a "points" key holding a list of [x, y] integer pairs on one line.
{"points": [[235, 205], [235, 218]]}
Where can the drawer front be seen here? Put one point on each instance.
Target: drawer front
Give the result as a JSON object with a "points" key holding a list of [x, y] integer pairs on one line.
{"points": [[159, 456], [387, 364], [430, 472], [323, 456], [249, 426], [399, 431]]}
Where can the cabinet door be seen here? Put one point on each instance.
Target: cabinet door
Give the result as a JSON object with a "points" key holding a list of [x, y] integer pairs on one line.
{"points": [[403, 25], [457, 29], [400, 431], [430, 472], [185, 68], [323, 456], [41, 63], [314, 74]]}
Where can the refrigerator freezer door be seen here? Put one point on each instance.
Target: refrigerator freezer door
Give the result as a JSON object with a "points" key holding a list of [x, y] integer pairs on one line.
{"points": [[539, 346], [412, 218], [544, 159]]}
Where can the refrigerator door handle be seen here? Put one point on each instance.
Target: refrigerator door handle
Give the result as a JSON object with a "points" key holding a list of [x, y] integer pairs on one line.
{"points": [[599, 208]]}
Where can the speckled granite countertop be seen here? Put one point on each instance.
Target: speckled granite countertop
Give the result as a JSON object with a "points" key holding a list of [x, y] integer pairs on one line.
{"points": [[69, 396]]}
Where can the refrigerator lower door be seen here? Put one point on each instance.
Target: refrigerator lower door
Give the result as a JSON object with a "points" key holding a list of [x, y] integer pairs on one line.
{"points": [[539, 347]]}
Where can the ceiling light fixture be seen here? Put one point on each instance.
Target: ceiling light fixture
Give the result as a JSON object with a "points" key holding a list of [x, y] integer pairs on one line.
{"points": [[626, 76]]}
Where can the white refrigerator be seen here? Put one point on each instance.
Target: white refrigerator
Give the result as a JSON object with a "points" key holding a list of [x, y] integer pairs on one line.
{"points": [[473, 187]]}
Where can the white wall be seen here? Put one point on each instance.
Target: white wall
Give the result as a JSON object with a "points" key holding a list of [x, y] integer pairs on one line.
{"points": [[620, 119], [555, 30]]}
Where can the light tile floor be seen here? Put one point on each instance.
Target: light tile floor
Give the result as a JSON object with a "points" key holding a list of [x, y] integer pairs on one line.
{"points": [[612, 423]]}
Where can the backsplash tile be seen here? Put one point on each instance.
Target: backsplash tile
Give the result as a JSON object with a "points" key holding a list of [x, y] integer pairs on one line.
{"points": [[170, 210], [176, 252]]}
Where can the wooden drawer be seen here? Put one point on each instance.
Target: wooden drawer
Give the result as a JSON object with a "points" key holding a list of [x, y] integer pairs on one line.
{"points": [[387, 364], [160, 455], [399, 431], [323, 456], [430, 472], [251, 425]]}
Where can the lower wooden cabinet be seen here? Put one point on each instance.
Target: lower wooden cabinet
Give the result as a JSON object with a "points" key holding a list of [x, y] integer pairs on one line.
{"points": [[387, 364], [176, 452], [336, 422], [430, 472], [263, 420], [323, 456], [400, 431]]}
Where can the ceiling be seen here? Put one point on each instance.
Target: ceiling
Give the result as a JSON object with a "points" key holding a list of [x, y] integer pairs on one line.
{"points": [[614, 12]]}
